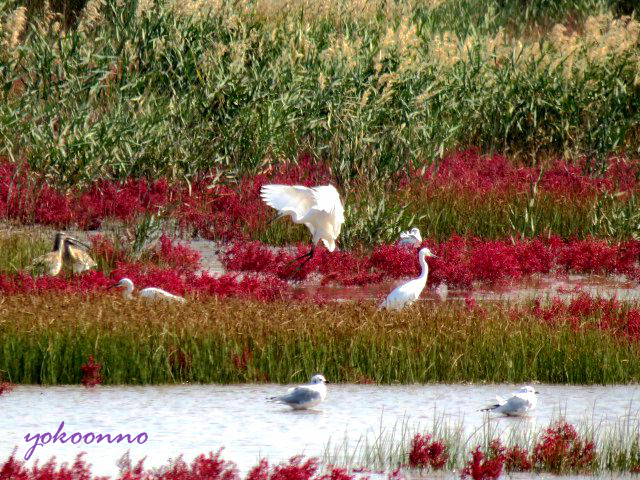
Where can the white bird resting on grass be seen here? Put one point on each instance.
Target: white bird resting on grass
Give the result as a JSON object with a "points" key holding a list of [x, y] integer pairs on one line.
{"points": [[319, 208], [410, 238], [150, 293], [409, 292], [305, 396], [517, 405]]}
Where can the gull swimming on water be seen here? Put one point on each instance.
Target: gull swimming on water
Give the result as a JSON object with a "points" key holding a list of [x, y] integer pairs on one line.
{"points": [[410, 238], [305, 396], [518, 404]]}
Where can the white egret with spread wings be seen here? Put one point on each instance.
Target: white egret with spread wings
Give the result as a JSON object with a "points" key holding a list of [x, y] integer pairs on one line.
{"points": [[318, 208]]}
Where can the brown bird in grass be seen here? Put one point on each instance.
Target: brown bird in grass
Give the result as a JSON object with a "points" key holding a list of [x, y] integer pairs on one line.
{"points": [[50, 263], [67, 251], [76, 257]]}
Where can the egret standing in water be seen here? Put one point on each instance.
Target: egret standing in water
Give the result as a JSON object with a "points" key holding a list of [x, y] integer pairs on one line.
{"points": [[411, 238], [319, 208], [305, 396], [518, 404], [409, 292], [151, 293]]}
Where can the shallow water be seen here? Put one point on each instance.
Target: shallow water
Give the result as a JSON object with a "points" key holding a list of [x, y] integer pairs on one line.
{"points": [[535, 286], [193, 419]]}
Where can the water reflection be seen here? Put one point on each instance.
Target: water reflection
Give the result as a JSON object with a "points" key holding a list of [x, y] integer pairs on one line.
{"points": [[535, 286]]}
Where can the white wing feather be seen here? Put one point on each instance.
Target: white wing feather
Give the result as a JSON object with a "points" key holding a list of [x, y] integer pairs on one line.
{"points": [[287, 199], [327, 199]]}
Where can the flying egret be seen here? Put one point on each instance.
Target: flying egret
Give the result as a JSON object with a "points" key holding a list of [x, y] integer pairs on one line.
{"points": [[79, 260], [149, 293], [410, 238], [409, 292], [319, 208], [518, 404], [305, 396]]}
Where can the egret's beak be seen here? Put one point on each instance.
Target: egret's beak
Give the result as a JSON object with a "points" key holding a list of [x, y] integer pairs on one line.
{"points": [[114, 285], [327, 381], [537, 393]]}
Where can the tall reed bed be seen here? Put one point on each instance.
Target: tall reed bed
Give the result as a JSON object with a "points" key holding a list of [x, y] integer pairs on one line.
{"points": [[46, 339], [172, 88]]}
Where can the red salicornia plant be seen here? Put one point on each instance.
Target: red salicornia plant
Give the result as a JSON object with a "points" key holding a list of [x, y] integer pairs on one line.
{"points": [[517, 459], [5, 387], [91, 373], [485, 466], [561, 450], [426, 453]]}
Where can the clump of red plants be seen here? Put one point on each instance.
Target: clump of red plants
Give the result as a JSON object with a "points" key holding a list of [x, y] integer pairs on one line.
{"points": [[203, 467], [232, 210], [584, 312], [426, 453], [560, 450], [91, 373], [517, 459], [5, 387], [491, 464], [460, 261], [486, 465]]}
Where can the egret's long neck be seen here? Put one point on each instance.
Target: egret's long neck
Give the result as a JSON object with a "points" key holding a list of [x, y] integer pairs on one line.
{"points": [[128, 291], [425, 268]]}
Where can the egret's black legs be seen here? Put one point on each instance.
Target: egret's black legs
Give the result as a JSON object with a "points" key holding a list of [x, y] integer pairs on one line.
{"points": [[307, 256]]}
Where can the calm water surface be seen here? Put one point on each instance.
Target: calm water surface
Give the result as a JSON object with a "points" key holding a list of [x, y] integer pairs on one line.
{"points": [[193, 419], [563, 286]]}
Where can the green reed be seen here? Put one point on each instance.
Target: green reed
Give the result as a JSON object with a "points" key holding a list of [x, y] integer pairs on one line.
{"points": [[19, 248], [166, 88], [45, 339]]}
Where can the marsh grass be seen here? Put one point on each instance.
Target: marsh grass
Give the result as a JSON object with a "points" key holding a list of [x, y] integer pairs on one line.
{"points": [[616, 442], [45, 339], [18, 250]]}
